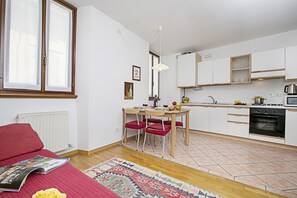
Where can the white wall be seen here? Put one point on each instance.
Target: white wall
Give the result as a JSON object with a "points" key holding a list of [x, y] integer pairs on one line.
{"points": [[11, 107], [168, 83], [270, 89], [106, 53]]}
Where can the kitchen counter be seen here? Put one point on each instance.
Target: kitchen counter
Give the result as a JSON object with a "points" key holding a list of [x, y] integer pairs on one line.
{"points": [[235, 106]]}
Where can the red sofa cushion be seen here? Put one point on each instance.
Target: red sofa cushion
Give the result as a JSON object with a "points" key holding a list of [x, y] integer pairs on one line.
{"points": [[66, 179], [18, 139]]}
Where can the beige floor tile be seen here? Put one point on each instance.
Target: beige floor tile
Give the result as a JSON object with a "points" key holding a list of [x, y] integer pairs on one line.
{"points": [[276, 168], [281, 192], [227, 152], [291, 177], [241, 151], [221, 160], [235, 170], [252, 164], [211, 152], [196, 153], [204, 161], [292, 191], [277, 182], [216, 168], [255, 169], [238, 159]]}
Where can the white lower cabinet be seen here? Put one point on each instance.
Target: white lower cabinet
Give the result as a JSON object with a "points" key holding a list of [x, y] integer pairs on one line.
{"points": [[238, 129], [291, 128], [218, 120], [201, 122], [238, 122]]}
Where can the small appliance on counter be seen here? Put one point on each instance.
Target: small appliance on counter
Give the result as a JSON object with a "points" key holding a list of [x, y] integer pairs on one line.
{"points": [[290, 99], [258, 100], [291, 89]]}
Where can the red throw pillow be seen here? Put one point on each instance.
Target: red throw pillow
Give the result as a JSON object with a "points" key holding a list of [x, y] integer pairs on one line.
{"points": [[18, 139]]}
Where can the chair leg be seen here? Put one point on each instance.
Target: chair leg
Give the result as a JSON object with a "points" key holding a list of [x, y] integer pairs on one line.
{"points": [[164, 138], [138, 136], [125, 131], [144, 141]]}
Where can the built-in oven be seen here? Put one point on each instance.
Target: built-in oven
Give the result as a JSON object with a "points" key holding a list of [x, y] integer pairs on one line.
{"points": [[268, 121]]}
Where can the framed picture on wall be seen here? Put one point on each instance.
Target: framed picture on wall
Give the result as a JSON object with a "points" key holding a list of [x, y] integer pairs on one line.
{"points": [[136, 73], [128, 91]]}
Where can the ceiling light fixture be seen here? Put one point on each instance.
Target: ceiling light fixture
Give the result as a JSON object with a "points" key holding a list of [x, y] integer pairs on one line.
{"points": [[160, 67]]}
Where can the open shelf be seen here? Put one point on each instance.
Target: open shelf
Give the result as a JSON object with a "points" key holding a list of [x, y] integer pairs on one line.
{"points": [[241, 69]]}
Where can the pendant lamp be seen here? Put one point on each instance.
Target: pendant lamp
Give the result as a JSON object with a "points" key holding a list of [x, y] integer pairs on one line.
{"points": [[160, 67]]}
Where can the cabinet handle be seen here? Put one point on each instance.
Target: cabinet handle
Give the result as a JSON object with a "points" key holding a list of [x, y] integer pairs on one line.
{"points": [[238, 122], [239, 115]]}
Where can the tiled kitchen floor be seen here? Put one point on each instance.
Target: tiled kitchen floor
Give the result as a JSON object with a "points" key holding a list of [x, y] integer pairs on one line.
{"points": [[262, 166]]}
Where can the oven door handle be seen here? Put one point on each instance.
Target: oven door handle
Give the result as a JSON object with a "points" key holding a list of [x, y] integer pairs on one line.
{"points": [[264, 116]]}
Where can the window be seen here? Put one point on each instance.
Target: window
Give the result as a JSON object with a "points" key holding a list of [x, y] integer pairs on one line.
{"points": [[153, 75], [37, 46]]}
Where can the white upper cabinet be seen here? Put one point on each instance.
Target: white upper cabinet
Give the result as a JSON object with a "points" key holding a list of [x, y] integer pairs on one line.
{"points": [[187, 70], [214, 72], [221, 71], [291, 128], [268, 60], [291, 63], [205, 73]]}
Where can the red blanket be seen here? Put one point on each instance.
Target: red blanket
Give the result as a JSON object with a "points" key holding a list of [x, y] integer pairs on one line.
{"points": [[66, 179]]}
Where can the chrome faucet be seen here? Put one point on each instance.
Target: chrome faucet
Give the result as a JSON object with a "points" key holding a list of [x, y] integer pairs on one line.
{"points": [[213, 100]]}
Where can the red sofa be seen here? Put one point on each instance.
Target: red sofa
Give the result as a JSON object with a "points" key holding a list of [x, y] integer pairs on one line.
{"points": [[19, 142]]}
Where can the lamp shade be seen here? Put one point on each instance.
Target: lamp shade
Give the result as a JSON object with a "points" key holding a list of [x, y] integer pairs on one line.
{"points": [[160, 67]]}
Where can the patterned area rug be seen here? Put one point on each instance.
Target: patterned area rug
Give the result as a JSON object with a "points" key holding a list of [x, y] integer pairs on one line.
{"points": [[128, 179]]}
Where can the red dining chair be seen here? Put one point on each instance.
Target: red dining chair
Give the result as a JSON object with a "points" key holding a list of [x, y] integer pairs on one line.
{"points": [[136, 124], [159, 129], [177, 124]]}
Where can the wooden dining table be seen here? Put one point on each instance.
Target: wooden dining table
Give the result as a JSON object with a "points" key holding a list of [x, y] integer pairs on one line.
{"points": [[170, 114]]}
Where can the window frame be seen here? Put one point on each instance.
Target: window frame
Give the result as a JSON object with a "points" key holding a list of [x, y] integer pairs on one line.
{"points": [[152, 85], [43, 93]]}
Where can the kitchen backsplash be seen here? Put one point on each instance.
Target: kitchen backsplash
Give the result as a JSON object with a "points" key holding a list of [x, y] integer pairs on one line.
{"points": [[272, 89]]}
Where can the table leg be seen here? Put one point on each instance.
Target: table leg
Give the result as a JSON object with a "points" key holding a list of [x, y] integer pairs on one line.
{"points": [[187, 128], [173, 134], [124, 122]]}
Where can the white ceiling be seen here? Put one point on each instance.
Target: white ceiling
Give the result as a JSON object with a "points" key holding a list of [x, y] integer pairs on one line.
{"points": [[194, 25]]}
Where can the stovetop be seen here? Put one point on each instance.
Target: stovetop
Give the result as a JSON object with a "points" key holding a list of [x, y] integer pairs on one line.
{"points": [[279, 105]]}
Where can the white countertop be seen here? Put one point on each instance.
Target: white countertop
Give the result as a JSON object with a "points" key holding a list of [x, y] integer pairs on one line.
{"points": [[235, 106]]}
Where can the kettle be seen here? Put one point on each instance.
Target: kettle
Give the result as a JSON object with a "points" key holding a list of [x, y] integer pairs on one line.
{"points": [[291, 89]]}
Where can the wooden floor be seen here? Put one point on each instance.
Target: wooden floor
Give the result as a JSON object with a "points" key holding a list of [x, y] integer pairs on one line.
{"points": [[215, 184]]}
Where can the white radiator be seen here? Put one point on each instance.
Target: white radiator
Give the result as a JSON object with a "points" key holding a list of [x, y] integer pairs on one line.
{"points": [[52, 128]]}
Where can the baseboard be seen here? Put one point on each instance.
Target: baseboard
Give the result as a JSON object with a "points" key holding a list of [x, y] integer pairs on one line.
{"points": [[84, 152], [67, 154]]}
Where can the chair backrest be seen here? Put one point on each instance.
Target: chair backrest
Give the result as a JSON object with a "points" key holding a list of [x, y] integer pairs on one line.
{"points": [[154, 113], [132, 111]]}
